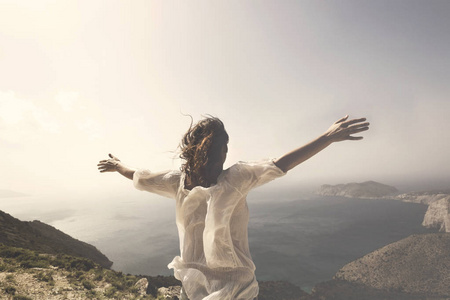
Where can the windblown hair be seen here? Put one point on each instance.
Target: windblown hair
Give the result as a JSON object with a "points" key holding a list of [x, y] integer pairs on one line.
{"points": [[201, 148]]}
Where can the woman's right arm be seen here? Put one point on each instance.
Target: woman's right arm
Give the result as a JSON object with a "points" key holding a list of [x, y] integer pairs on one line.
{"points": [[115, 165]]}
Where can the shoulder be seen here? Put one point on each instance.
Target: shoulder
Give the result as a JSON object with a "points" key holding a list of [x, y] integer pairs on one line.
{"points": [[163, 175], [243, 166]]}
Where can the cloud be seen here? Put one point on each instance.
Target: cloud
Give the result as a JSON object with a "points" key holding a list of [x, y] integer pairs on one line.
{"points": [[12, 110], [66, 100], [91, 127], [22, 119]]}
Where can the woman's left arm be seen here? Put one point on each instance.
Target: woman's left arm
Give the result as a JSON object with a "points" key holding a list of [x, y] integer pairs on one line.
{"points": [[341, 130]]}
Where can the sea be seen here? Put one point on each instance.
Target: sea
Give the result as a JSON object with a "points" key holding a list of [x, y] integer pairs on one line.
{"points": [[304, 240]]}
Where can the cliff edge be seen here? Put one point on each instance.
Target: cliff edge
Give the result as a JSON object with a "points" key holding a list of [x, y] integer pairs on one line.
{"points": [[438, 215]]}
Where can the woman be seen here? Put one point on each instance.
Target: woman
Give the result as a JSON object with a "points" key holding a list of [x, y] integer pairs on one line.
{"points": [[211, 208]]}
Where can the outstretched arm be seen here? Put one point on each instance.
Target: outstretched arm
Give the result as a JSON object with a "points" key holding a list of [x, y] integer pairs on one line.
{"points": [[341, 130], [115, 165]]}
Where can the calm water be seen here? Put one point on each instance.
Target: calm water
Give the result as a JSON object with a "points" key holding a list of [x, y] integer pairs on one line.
{"points": [[302, 241]]}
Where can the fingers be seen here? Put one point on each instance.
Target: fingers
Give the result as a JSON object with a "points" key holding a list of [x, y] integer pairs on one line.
{"points": [[358, 128], [108, 165], [341, 120], [355, 129], [355, 138], [350, 122], [106, 168]]}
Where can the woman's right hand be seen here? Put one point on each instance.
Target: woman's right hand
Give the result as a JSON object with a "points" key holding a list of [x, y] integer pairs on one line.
{"points": [[108, 165]]}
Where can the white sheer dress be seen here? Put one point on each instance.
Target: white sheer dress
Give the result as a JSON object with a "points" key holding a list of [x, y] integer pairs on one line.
{"points": [[215, 261]]}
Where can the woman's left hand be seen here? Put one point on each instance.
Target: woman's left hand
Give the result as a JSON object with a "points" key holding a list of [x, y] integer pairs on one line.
{"points": [[342, 129]]}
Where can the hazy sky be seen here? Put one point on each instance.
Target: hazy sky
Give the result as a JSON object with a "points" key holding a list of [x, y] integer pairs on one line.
{"points": [[80, 79]]}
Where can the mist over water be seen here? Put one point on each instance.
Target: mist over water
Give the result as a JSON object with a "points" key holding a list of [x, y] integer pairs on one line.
{"points": [[304, 241]]}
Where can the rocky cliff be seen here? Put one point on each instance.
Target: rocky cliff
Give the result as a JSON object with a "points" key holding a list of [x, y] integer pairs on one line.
{"points": [[368, 189], [426, 197], [416, 267], [438, 214], [44, 238]]}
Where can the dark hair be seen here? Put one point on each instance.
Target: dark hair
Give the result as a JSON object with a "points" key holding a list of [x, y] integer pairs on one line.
{"points": [[201, 148]]}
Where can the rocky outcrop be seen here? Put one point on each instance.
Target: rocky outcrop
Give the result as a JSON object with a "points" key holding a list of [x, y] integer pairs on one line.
{"points": [[422, 197], [170, 293], [44, 238], [368, 189], [438, 215], [438, 212], [416, 267]]}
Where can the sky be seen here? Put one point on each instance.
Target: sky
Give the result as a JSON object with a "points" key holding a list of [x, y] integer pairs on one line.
{"points": [[81, 79]]}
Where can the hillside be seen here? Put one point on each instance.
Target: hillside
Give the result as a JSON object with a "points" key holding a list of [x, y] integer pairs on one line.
{"points": [[416, 267], [26, 274], [44, 238]]}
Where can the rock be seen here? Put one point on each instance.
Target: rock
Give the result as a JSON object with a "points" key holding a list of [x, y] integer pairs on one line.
{"points": [[417, 265], [170, 293], [438, 215], [368, 189], [141, 286]]}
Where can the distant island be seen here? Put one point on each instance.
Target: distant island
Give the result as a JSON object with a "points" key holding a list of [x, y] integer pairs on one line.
{"points": [[368, 189], [438, 212], [10, 194]]}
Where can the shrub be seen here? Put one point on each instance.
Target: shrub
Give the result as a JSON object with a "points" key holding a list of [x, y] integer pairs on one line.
{"points": [[82, 264], [88, 284], [10, 290], [34, 263], [10, 252], [18, 297], [79, 275], [11, 269], [43, 276], [92, 295], [109, 292], [9, 277], [98, 276]]}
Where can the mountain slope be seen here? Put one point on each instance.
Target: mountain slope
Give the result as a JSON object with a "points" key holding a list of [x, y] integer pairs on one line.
{"points": [[45, 239]]}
